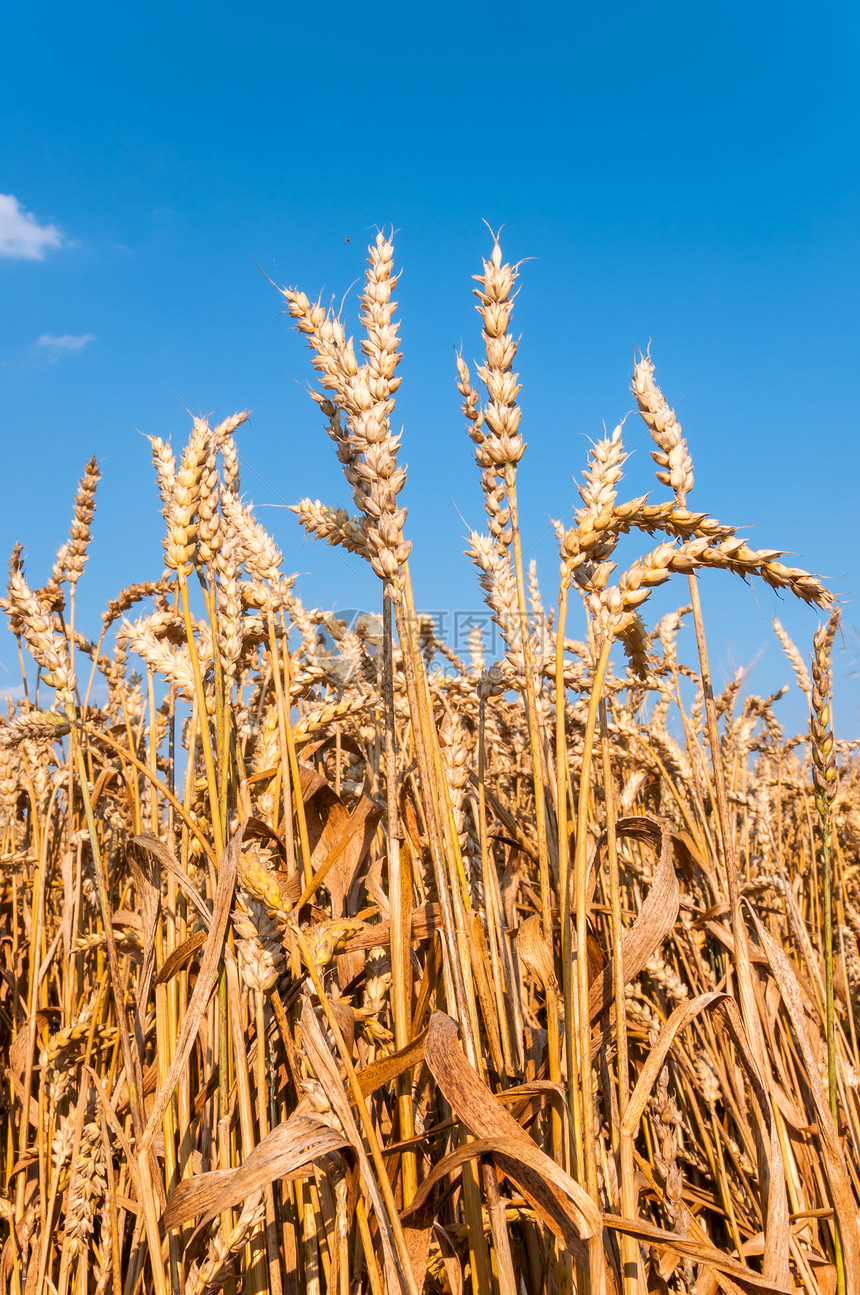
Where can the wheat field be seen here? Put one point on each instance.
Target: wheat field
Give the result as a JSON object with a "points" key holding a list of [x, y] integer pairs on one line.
{"points": [[335, 963]]}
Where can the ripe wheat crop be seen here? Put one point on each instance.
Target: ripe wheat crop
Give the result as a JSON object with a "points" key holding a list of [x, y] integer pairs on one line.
{"points": [[334, 963]]}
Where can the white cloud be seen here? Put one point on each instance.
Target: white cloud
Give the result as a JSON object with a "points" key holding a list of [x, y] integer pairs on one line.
{"points": [[65, 343], [21, 235]]}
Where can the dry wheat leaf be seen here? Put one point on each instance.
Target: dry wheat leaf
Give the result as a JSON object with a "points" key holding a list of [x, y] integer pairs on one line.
{"points": [[725, 1008], [384, 1069], [320, 1056], [744, 1278], [562, 1204], [145, 867], [723, 933], [170, 863], [515, 829], [426, 920], [257, 829], [20, 1045], [180, 957], [828, 1279], [119, 1133], [339, 836], [67, 869], [450, 1259], [505, 1150], [689, 856], [837, 1175], [289, 1147], [417, 1234], [527, 1099], [310, 780], [409, 815], [345, 1017], [33, 1108], [534, 950], [209, 966], [656, 918]]}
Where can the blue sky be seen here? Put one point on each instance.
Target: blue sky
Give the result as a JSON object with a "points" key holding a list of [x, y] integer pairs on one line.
{"points": [[680, 173]]}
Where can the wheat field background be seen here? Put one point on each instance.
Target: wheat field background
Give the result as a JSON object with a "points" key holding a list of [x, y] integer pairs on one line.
{"points": [[334, 960]]}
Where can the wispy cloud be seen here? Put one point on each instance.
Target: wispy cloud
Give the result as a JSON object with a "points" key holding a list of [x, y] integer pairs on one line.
{"points": [[65, 344], [21, 235]]}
